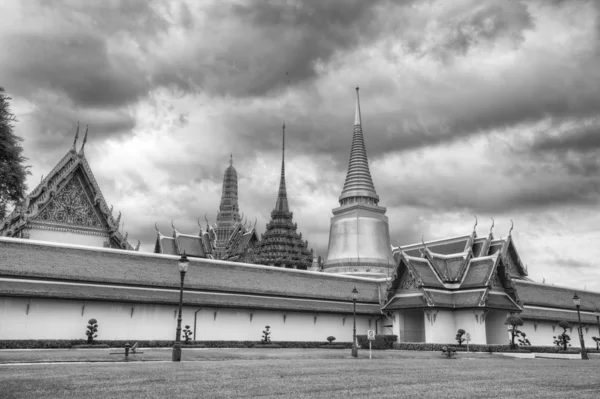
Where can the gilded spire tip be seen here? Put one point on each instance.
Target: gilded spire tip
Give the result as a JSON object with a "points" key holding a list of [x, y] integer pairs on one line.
{"points": [[84, 140]]}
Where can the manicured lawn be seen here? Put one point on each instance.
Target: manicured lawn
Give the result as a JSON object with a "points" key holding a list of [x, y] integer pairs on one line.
{"points": [[306, 373]]}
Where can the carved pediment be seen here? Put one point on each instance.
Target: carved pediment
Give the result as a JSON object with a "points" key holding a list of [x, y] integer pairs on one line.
{"points": [[71, 206]]}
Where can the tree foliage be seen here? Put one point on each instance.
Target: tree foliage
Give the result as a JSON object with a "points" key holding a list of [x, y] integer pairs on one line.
{"points": [[187, 333], [92, 329], [562, 340], [513, 322], [12, 169], [459, 336]]}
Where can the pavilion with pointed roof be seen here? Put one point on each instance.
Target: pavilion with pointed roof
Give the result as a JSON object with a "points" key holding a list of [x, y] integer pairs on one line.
{"points": [[67, 207], [281, 245]]}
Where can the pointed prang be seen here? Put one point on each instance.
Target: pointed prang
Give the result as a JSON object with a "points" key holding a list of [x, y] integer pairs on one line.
{"points": [[81, 153], [282, 203], [231, 159], [76, 137]]}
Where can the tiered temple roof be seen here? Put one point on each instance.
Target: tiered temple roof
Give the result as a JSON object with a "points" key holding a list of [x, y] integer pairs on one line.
{"points": [[194, 246], [460, 272], [67, 201], [281, 245]]}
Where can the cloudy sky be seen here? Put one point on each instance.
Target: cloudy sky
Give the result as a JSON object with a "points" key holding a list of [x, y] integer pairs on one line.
{"points": [[489, 108]]}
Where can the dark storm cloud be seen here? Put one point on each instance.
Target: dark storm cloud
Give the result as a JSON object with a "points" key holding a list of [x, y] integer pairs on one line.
{"points": [[579, 139], [278, 44], [470, 25], [78, 67]]}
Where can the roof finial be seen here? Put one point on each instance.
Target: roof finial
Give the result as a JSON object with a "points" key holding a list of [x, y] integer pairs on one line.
{"points": [[492, 228], [207, 224], [84, 140], [423, 241], [76, 137], [255, 221], [199, 225], [173, 225], [512, 225], [357, 120], [156, 227], [231, 159], [475, 223]]}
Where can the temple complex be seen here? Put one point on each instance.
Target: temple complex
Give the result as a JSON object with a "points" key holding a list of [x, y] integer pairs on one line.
{"points": [[67, 207], [281, 245], [359, 237], [63, 259]]}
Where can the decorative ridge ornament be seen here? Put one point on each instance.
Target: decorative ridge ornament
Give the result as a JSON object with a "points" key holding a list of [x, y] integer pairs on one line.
{"points": [[173, 226], [231, 159], [156, 227], [81, 153], [512, 225], [76, 137], [474, 226], [493, 222]]}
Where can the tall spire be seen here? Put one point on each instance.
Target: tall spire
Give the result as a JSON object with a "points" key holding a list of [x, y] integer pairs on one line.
{"points": [[358, 179], [228, 215], [282, 203]]}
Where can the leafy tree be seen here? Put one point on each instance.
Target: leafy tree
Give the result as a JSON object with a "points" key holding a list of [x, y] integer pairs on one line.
{"points": [[12, 170], [513, 322], [331, 339], [459, 336], [562, 340]]}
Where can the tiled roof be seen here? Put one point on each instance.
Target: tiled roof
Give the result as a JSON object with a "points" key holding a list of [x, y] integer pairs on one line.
{"points": [[407, 302], [556, 315], [500, 301], [445, 246], [24, 258], [192, 245], [168, 245], [468, 299], [82, 291], [479, 272], [422, 268], [557, 297]]}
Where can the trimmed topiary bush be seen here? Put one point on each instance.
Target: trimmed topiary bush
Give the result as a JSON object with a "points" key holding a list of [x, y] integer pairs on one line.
{"points": [[513, 322], [330, 339], [187, 333], [266, 339], [562, 340], [459, 336], [92, 329]]}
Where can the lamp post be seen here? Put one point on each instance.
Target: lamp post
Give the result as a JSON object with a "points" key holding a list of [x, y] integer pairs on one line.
{"points": [[354, 347], [577, 302], [183, 265], [597, 313]]}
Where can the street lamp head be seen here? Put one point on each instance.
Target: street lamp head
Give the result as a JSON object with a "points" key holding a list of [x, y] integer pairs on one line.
{"points": [[183, 263], [576, 300], [354, 293]]}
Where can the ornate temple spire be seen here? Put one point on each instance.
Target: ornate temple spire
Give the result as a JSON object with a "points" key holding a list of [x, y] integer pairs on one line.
{"points": [[282, 203], [358, 179], [228, 215], [281, 244]]}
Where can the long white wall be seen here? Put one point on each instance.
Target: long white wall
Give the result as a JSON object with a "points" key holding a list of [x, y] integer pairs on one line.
{"points": [[22, 318], [541, 333]]}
